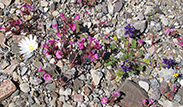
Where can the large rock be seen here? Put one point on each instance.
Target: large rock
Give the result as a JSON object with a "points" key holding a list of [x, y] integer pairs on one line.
{"points": [[97, 76], [6, 89], [140, 26], [132, 94]]}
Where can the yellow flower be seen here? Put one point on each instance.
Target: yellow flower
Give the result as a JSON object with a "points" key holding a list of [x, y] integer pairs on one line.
{"points": [[114, 37], [175, 75]]}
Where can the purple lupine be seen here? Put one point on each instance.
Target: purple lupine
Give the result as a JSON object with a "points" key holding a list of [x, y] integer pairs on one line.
{"points": [[129, 30], [127, 66]]}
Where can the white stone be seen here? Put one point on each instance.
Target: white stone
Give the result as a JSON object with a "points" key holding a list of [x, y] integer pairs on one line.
{"points": [[55, 13], [144, 85], [96, 75], [1, 5], [110, 8], [44, 3], [181, 82]]}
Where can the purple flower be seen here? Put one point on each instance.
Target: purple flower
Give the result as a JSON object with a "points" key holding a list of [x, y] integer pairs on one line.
{"points": [[93, 56], [129, 30], [1, 27], [62, 15], [71, 42], [81, 46], [77, 17], [59, 54], [82, 40], [104, 100], [127, 66], [91, 39], [72, 26], [18, 22], [40, 69], [59, 35], [167, 62], [151, 101], [180, 43], [97, 45]]}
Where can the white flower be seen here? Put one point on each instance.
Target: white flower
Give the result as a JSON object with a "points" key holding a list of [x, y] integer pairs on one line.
{"points": [[27, 46]]}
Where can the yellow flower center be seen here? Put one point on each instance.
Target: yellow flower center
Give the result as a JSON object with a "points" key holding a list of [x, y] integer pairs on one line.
{"points": [[114, 37], [31, 48], [47, 77], [92, 56], [105, 101]]}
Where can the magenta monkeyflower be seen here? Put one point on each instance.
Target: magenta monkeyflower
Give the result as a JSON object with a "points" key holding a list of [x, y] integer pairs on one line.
{"points": [[45, 51], [106, 35], [178, 38], [44, 45], [144, 101], [103, 53], [71, 42], [76, 17], [1, 27], [115, 93], [40, 69], [62, 15], [140, 41], [87, 12], [82, 40], [72, 26], [93, 56], [47, 77], [104, 100], [167, 30], [81, 46], [18, 22], [150, 102], [52, 42], [59, 54], [55, 26], [79, 1], [104, 22], [180, 43], [97, 45], [59, 35], [91, 39]]}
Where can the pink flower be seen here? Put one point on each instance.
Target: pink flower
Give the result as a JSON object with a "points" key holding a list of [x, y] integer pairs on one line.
{"points": [[115, 93], [81, 46], [62, 15], [55, 26], [103, 53], [40, 69], [104, 100], [172, 30], [45, 51], [28, 6], [71, 42], [82, 40], [140, 41], [87, 12], [167, 30], [150, 102], [93, 56], [178, 38], [106, 35], [76, 17], [91, 39], [72, 26], [59, 54], [47, 77], [44, 45], [1, 27], [59, 35], [79, 1], [144, 101], [180, 43], [18, 22], [104, 22], [97, 45]]}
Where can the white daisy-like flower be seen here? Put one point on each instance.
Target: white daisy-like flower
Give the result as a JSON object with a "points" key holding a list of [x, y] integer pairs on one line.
{"points": [[27, 46]]}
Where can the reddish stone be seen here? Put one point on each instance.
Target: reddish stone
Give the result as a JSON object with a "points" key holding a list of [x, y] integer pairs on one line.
{"points": [[6, 89], [78, 98]]}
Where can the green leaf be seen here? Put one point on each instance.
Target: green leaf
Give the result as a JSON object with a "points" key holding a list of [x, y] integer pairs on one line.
{"points": [[113, 46], [123, 38], [133, 44], [120, 73]]}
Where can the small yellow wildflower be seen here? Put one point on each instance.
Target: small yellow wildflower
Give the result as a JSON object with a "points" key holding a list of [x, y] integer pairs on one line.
{"points": [[114, 37], [175, 75]]}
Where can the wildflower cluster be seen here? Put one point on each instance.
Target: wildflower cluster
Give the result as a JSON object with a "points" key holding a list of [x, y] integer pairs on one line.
{"points": [[105, 100], [180, 41], [167, 63]]}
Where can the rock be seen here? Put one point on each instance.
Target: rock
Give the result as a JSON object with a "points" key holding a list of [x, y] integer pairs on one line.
{"points": [[53, 102], [166, 73], [118, 6], [6, 2], [149, 10], [78, 98], [177, 97], [55, 13], [67, 105], [12, 104], [96, 100], [68, 91], [132, 94], [35, 80], [51, 86], [152, 49], [158, 27], [164, 20], [144, 85], [4, 64], [62, 98], [180, 92], [44, 3], [2, 40], [77, 84], [6, 89], [110, 8], [4, 76], [96, 75], [15, 48], [164, 87], [73, 1], [168, 103], [15, 76], [37, 64], [24, 87], [24, 70], [155, 95], [140, 25], [140, 16], [104, 9], [154, 84], [110, 75], [10, 69], [30, 100], [1, 5], [87, 90]]}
